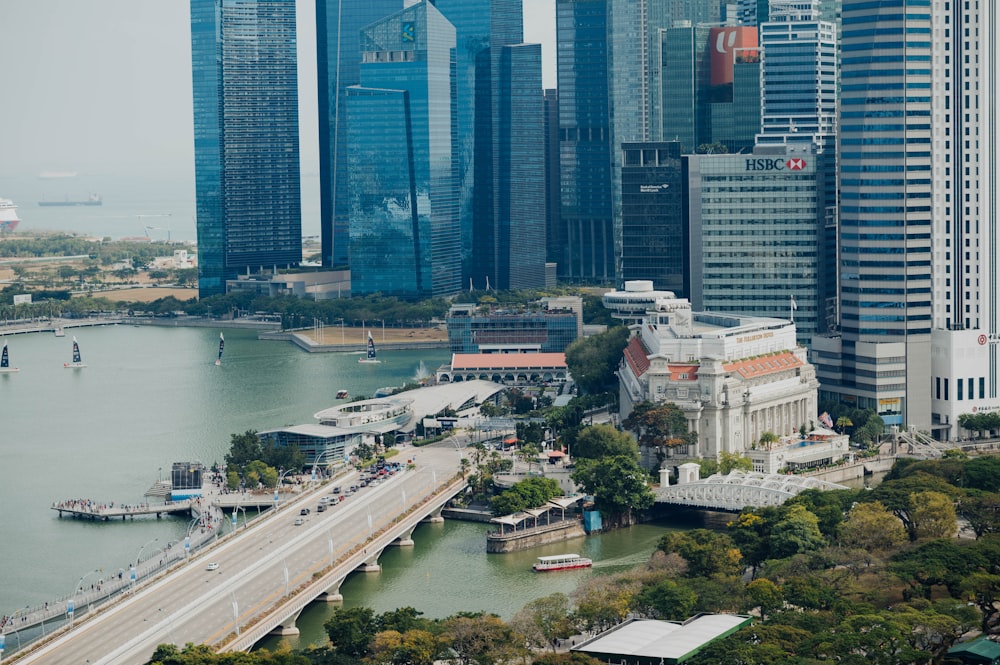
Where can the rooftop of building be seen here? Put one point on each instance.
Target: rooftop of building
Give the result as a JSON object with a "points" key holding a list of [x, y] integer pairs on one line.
{"points": [[663, 641], [506, 361]]}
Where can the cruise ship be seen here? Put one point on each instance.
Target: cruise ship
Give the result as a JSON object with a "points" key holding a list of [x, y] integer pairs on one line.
{"points": [[8, 216]]}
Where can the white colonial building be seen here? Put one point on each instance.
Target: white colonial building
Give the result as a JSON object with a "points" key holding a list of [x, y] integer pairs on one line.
{"points": [[735, 377]]}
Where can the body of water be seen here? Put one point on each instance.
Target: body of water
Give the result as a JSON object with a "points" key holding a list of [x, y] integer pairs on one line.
{"points": [[149, 397], [153, 396], [129, 205]]}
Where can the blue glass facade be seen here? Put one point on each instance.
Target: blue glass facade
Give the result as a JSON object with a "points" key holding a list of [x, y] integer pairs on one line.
{"points": [[584, 141], [246, 128], [403, 195], [338, 30]]}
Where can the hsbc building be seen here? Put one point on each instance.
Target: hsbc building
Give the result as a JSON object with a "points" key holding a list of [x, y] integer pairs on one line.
{"points": [[760, 235]]}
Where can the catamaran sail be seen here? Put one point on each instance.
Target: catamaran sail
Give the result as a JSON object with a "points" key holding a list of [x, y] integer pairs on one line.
{"points": [[77, 360], [222, 344], [5, 367], [370, 357]]}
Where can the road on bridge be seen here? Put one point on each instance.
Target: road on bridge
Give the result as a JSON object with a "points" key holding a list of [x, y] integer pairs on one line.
{"points": [[257, 569]]}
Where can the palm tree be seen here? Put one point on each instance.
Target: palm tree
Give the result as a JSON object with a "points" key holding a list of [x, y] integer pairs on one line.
{"points": [[844, 422], [768, 439]]}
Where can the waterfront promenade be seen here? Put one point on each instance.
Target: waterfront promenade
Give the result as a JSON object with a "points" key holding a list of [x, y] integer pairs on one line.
{"points": [[266, 571]]}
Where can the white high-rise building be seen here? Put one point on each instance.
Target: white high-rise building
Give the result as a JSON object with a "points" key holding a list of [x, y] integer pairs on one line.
{"points": [[918, 233]]}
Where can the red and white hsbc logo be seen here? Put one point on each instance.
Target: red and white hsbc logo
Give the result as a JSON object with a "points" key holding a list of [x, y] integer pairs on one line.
{"points": [[768, 164]]}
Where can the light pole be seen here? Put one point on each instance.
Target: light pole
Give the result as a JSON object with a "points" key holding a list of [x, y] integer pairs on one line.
{"points": [[138, 557], [236, 613], [71, 602]]}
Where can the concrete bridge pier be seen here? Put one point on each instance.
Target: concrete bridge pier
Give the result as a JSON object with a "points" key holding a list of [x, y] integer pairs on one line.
{"points": [[371, 564], [435, 516], [331, 596], [405, 539], [287, 627]]}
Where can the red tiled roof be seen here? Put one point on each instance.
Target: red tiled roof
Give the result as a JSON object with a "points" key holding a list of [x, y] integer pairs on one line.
{"points": [[637, 356], [691, 371], [502, 361], [764, 365]]}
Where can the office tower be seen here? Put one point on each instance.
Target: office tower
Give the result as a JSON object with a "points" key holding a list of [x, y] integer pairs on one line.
{"points": [[554, 239], [500, 166], [757, 235], [585, 141], [246, 129], [799, 74], [709, 87], [338, 28], [654, 227], [918, 214], [799, 83], [515, 237], [401, 124]]}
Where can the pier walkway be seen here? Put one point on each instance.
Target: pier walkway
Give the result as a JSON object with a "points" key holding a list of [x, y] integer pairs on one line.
{"points": [[107, 511]]}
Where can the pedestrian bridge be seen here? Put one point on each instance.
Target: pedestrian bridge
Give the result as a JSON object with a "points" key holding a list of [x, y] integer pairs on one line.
{"points": [[740, 489]]}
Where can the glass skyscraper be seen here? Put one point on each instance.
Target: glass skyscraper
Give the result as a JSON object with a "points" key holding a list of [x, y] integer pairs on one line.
{"points": [[918, 238], [338, 30], [403, 193], [246, 138], [498, 157], [584, 141]]}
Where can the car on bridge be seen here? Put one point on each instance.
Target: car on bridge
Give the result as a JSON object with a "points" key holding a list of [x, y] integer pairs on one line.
{"points": [[212, 566], [299, 521]]}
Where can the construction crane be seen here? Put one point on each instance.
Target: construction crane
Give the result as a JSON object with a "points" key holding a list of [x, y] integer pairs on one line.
{"points": [[155, 228]]}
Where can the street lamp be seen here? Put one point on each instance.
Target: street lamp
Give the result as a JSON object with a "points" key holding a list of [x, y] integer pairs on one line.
{"points": [[170, 624], [71, 602]]}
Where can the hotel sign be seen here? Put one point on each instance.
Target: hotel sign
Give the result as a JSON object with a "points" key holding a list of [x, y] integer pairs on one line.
{"points": [[653, 189], [772, 164]]}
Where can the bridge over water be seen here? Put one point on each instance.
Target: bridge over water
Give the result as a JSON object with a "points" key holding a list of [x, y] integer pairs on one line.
{"points": [[737, 490], [266, 573]]}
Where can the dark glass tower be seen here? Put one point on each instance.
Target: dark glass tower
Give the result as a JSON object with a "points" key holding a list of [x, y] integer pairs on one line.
{"points": [[246, 138], [338, 26], [499, 119], [584, 141], [402, 191]]}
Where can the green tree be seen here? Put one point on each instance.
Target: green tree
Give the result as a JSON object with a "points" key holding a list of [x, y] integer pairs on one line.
{"points": [[243, 449], [481, 639], [734, 462], [764, 595], [592, 360], [707, 552], [797, 531], [669, 600], [871, 528], [600, 441], [982, 513], [414, 647], [544, 621], [618, 486], [351, 630], [983, 588], [767, 440], [528, 493], [933, 515], [659, 425]]}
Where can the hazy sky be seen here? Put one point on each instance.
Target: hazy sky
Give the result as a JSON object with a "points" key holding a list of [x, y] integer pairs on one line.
{"points": [[104, 86]]}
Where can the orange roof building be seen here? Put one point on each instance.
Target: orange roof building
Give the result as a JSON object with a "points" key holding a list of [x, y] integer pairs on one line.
{"points": [[507, 368], [734, 376]]}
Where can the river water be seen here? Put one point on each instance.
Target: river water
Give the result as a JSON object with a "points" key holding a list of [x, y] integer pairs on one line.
{"points": [[152, 396]]}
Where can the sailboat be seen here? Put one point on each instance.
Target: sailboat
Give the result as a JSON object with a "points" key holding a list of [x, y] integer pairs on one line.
{"points": [[370, 357], [222, 344], [5, 367], [77, 361]]}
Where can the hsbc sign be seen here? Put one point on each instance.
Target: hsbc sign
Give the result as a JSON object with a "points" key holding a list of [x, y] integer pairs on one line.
{"points": [[771, 164]]}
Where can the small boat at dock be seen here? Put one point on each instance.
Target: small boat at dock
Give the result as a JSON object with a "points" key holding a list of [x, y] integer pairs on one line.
{"points": [[561, 562]]}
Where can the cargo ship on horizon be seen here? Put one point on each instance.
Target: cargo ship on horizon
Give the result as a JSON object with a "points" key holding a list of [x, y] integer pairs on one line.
{"points": [[92, 200], [8, 216]]}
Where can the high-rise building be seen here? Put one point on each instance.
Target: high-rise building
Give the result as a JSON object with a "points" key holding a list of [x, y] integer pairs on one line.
{"points": [[246, 138], [403, 193], [338, 29], [757, 235], [500, 168], [654, 227], [554, 240], [918, 282], [584, 141]]}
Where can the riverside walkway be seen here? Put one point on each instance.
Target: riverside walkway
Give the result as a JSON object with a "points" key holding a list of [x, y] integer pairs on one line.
{"points": [[107, 511], [262, 574]]}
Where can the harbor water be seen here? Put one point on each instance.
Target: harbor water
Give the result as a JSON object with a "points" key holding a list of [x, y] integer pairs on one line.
{"points": [[151, 396]]}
